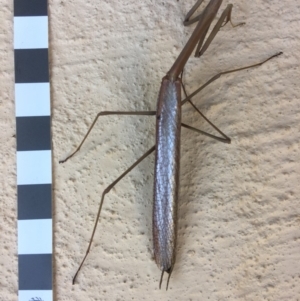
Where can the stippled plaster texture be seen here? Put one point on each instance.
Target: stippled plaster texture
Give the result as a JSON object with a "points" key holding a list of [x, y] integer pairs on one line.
{"points": [[239, 216]]}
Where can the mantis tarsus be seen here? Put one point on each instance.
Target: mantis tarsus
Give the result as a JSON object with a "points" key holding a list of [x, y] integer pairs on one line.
{"points": [[168, 124]]}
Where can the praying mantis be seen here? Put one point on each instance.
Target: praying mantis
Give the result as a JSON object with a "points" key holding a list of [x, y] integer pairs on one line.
{"points": [[168, 131]]}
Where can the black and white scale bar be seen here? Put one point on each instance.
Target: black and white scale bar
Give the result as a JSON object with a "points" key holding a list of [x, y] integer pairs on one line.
{"points": [[34, 167]]}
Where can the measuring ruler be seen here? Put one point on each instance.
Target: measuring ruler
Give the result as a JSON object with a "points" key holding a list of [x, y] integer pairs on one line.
{"points": [[34, 168]]}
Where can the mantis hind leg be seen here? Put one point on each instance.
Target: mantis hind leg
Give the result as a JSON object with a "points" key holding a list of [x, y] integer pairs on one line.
{"points": [[188, 99], [224, 139], [106, 190]]}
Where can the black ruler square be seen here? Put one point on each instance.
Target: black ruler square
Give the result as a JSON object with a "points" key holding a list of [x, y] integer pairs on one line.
{"points": [[23, 8], [35, 272], [34, 201], [33, 133], [31, 66]]}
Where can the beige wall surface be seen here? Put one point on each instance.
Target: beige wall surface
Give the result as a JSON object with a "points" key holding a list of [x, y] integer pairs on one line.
{"points": [[239, 213]]}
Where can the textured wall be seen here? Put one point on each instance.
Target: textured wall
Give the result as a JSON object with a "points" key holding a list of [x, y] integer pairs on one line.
{"points": [[239, 219]]}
